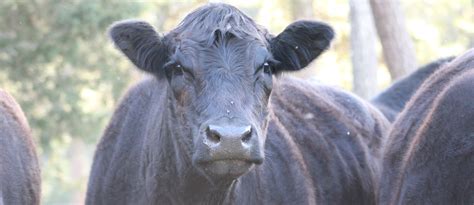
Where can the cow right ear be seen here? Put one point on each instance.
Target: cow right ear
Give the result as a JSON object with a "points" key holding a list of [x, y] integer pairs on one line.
{"points": [[139, 41]]}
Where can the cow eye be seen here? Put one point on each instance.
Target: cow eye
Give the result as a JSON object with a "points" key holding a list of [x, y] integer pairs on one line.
{"points": [[177, 69], [267, 68], [173, 70]]}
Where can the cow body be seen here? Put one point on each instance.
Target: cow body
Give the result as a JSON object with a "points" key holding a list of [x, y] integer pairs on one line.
{"points": [[19, 169], [392, 100], [322, 146], [429, 156], [218, 124]]}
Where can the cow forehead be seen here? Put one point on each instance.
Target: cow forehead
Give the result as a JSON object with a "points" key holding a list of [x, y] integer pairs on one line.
{"points": [[232, 54], [208, 22], [219, 36]]}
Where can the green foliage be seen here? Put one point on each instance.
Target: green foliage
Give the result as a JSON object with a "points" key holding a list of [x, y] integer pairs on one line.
{"points": [[442, 29], [57, 62], [58, 65]]}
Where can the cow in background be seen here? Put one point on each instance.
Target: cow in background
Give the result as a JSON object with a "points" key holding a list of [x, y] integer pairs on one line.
{"points": [[429, 155], [20, 180], [392, 100]]}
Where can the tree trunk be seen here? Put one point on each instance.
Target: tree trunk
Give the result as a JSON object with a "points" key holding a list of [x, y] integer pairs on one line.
{"points": [[301, 9], [398, 50], [363, 55]]}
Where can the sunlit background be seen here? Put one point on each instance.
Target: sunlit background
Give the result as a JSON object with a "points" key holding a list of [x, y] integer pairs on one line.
{"points": [[56, 60]]}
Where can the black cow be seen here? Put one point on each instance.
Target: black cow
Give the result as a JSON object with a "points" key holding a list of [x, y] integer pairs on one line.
{"points": [[218, 125], [429, 157], [392, 100], [19, 170]]}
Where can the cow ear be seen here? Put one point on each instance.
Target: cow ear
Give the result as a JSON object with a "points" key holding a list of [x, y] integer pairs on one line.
{"points": [[299, 44], [139, 41]]}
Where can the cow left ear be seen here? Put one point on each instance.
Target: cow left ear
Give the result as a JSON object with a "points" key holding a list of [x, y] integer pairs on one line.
{"points": [[299, 44]]}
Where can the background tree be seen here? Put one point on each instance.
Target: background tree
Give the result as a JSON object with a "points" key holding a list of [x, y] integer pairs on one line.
{"points": [[363, 55], [301, 9], [398, 50], [54, 59]]}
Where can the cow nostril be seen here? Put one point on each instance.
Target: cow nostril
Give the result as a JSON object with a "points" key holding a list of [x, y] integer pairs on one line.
{"points": [[228, 134], [212, 135], [247, 135]]}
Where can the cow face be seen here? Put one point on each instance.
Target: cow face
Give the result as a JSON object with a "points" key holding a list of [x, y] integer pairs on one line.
{"points": [[220, 66]]}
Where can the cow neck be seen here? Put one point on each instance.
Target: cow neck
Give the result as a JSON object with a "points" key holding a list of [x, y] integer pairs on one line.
{"points": [[188, 185]]}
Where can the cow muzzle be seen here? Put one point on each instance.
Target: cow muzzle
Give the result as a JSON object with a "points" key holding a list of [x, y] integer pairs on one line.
{"points": [[229, 150]]}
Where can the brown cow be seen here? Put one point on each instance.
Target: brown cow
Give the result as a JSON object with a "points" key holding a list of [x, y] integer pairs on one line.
{"points": [[429, 157], [218, 125], [19, 170]]}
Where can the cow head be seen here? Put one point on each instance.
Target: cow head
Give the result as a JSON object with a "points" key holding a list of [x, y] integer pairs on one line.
{"points": [[220, 65]]}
